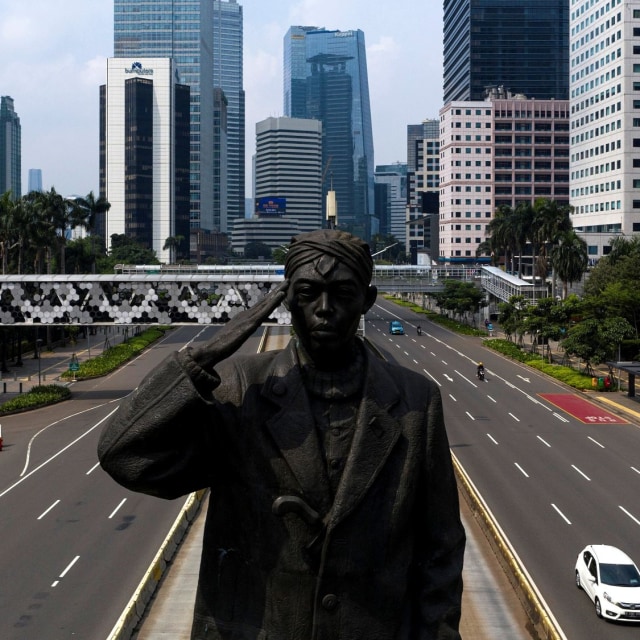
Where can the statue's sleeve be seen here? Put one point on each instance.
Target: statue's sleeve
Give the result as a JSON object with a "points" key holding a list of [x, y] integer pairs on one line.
{"points": [[441, 549], [159, 440]]}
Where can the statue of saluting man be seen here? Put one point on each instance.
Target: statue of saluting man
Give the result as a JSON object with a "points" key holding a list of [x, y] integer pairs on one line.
{"points": [[334, 512]]}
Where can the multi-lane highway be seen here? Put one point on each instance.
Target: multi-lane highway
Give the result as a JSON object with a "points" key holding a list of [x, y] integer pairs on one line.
{"points": [[74, 545], [554, 482]]}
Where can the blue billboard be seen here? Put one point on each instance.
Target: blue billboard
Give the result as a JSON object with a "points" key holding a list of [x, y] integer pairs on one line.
{"points": [[271, 206]]}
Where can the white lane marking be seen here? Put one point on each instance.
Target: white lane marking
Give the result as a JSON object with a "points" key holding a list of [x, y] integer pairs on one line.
{"points": [[473, 384], [492, 399], [492, 438], [557, 415], [561, 514], [436, 381], [452, 398], [95, 466], [523, 378], [55, 455], [522, 471], [596, 442], [630, 515], [584, 475], [448, 377], [73, 415], [543, 441], [514, 417], [470, 416], [44, 513], [415, 361], [113, 513], [64, 573], [636, 470], [443, 362]]}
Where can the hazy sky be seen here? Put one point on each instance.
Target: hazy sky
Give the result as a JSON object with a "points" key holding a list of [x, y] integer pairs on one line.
{"points": [[53, 59]]}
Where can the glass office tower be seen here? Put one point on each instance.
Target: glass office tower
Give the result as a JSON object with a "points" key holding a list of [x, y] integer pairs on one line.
{"points": [[521, 45], [325, 78], [182, 30], [227, 75], [10, 149]]}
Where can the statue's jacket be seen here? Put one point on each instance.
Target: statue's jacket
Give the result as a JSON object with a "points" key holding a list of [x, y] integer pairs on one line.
{"points": [[383, 561]]}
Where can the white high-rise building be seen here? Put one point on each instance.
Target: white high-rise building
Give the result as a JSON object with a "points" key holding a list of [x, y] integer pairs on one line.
{"points": [[288, 165], [144, 162], [605, 120]]}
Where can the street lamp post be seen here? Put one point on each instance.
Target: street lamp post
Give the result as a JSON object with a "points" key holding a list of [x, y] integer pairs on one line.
{"points": [[39, 349]]}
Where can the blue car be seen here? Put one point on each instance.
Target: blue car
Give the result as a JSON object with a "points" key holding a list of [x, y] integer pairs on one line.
{"points": [[396, 328]]}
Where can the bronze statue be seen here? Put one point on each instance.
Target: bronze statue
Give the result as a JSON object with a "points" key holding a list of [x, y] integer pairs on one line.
{"points": [[334, 512]]}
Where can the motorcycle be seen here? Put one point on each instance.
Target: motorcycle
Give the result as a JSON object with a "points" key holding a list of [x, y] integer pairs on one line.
{"points": [[481, 375]]}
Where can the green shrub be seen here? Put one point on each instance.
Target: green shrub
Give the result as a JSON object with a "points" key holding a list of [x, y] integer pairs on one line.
{"points": [[37, 397], [115, 356]]}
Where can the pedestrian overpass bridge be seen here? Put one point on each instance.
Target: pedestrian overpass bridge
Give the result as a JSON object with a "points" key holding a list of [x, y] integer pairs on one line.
{"points": [[174, 295]]}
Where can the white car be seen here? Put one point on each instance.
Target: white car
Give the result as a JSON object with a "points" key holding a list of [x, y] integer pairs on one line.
{"points": [[612, 581]]}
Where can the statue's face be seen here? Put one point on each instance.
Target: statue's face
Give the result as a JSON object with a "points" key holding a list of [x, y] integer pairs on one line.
{"points": [[325, 310]]}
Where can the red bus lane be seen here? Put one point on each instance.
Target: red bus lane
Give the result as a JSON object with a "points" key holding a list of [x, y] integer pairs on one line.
{"points": [[582, 409]]}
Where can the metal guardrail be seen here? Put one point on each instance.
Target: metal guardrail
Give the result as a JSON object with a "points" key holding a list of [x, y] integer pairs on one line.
{"points": [[156, 294]]}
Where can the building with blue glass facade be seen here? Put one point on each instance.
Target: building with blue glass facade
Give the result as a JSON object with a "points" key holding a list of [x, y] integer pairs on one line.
{"points": [[10, 149], [325, 78], [229, 193], [521, 45], [181, 30]]}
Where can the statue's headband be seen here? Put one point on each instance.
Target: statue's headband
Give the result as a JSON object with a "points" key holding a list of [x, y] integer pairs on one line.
{"points": [[344, 247]]}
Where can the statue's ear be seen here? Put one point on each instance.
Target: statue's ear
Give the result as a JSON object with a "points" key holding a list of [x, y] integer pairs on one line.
{"points": [[370, 298]]}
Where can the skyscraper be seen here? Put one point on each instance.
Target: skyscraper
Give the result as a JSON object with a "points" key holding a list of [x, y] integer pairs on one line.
{"points": [[521, 45], [144, 167], [288, 167], [182, 30], [35, 180], [10, 149], [325, 78], [605, 122], [227, 75]]}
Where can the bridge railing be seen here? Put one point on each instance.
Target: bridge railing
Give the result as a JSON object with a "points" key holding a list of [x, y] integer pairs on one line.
{"points": [[149, 294]]}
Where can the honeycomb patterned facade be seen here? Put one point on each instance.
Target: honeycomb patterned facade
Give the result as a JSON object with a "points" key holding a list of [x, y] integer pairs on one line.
{"points": [[127, 300]]}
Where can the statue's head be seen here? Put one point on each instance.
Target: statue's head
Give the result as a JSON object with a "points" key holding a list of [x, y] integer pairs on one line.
{"points": [[329, 272]]}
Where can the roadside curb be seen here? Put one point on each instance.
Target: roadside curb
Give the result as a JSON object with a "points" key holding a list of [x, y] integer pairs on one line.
{"points": [[536, 608], [135, 609]]}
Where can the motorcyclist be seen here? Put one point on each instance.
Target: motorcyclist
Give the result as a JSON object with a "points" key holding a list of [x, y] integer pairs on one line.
{"points": [[480, 371], [419, 328]]}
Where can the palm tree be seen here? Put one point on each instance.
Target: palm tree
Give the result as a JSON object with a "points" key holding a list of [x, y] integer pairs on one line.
{"points": [[520, 225], [90, 213], [569, 258], [550, 220], [172, 243], [500, 234], [7, 227]]}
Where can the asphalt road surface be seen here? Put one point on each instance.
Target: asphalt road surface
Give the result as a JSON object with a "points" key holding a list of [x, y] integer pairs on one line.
{"points": [[74, 545], [554, 481]]}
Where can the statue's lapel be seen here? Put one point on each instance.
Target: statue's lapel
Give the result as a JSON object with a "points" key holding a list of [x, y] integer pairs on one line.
{"points": [[376, 433], [293, 431]]}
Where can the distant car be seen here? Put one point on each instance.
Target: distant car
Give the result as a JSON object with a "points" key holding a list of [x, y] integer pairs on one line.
{"points": [[611, 579], [396, 328]]}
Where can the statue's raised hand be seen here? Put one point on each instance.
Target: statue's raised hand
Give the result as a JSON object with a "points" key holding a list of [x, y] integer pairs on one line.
{"points": [[235, 333]]}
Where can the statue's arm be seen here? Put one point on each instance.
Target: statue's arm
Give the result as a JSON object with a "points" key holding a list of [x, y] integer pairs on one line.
{"points": [[161, 438]]}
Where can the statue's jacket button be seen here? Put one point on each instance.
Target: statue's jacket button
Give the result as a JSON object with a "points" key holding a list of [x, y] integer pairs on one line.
{"points": [[330, 601], [279, 388]]}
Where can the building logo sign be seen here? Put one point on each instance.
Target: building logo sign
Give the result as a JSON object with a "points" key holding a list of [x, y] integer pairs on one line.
{"points": [[139, 70]]}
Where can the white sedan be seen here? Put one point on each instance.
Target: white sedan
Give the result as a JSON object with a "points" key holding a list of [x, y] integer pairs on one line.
{"points": [[612, 581]]}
